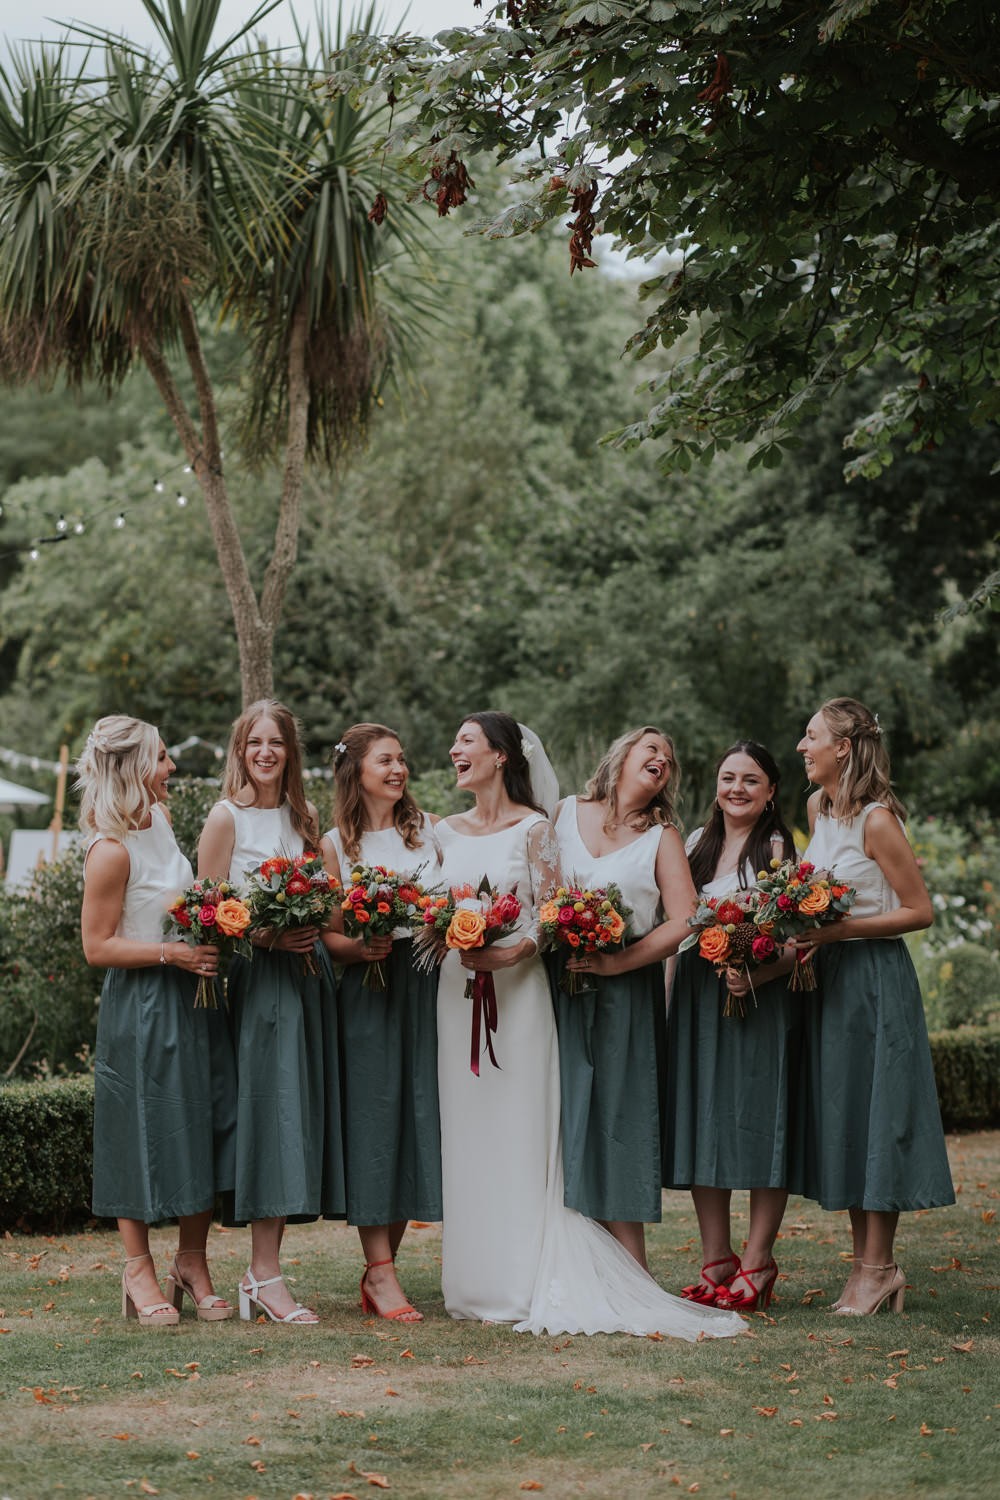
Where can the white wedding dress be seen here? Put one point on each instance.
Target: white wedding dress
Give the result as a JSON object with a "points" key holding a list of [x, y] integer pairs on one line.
{"points": [[511, 1251]]}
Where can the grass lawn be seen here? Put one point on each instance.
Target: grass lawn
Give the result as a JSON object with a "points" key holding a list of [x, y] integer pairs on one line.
{"points": [[805, 1405]]}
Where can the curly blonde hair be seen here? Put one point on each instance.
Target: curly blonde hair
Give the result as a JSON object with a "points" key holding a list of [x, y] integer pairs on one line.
{"points": [[351, 749], [113, 773], [237, 778], [603, 785], [864, 772]]}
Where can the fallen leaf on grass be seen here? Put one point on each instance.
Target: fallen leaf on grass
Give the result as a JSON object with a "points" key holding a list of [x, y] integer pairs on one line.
{"points": [[766, 1411], [259, 1465], [406, 1354], [726, 1431], [343, 1495], [897, 1354], [192, 1454], [828, 1401], [390, 1392], [686, 1422], [646, 1446], [655, 1338], [123, 1437], [251, 1441], [965, 1348], [470, 1359], [926, 1431], [891, 1381], [147, 1488], [531, 1484], [795, 1422], [814, 1291], [361, 1361], [342, 1412], [514, 1441], [989, 1214]]}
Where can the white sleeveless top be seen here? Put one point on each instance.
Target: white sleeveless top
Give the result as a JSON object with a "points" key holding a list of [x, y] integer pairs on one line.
{"points": [[261, 832], [385, 846], [838, 844], [632, 868], [158, 873]]}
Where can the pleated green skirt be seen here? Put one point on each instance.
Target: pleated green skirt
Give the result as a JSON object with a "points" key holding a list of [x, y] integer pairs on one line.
{"points": [[164, 1097], [874, 1138], [735, 1085], [289, 1140], [392, 1129], [612, 1067]]}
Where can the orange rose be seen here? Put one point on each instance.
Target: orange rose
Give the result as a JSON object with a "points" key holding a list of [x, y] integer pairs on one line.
{"points": [[232, 917], [714, 944], [815, 900], [465, 930], [548, 911], [615, 925]]}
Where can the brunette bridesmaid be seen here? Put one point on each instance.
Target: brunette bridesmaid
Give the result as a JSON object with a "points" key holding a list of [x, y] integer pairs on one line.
{"points": [[734, 1081], [388, 1037]]}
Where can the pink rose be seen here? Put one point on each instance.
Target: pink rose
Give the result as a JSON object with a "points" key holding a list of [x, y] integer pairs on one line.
{"points": [[206, 916], [566, 916], [762, 947], [785, 903]]}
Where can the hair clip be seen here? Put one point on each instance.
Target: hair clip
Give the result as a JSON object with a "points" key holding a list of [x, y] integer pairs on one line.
{"points": [[878, 727], [340, 748], [527, 749]]}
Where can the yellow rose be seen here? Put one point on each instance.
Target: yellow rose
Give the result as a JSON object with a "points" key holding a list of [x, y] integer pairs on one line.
{"points": [[814, 901], [232, 917], [465, 930]]}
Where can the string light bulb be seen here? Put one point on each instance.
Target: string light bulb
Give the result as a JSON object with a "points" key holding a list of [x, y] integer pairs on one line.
{"points": [[34, 554], [61, 524], [79, 528], [158, 486], [119, 520], [182, 500]]}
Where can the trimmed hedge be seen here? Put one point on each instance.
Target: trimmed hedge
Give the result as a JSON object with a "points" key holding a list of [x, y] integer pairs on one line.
{"points": [[46, 1155], [967, 1071]]}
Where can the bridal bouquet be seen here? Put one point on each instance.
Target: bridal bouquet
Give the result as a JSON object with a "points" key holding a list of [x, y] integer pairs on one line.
{"points": [[291, 891], [376, 902], [469, 917], [585, 921], [793, 898], [212, 913], [729, 935]]}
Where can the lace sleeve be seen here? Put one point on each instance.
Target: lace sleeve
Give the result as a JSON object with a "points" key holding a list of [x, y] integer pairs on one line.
{"points": [[543, 868]]}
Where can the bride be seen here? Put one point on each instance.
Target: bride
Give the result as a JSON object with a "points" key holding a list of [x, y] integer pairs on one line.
{"points": [[511, 1251]]}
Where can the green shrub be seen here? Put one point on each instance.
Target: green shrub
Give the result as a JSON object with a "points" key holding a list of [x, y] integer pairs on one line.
{"points": [[48, 991], [967, 1071], [960, 868], [46, 1164], [961, 986]]}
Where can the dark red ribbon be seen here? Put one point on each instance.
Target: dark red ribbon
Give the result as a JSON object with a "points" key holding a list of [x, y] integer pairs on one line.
{"points": [[484, 1016]]}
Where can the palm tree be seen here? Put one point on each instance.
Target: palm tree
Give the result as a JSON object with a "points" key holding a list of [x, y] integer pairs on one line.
{"points": [[143, 198]]}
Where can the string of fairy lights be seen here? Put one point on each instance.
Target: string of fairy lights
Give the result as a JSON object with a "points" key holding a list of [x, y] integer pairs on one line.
{"points": [[18, 760], [65, 527]]}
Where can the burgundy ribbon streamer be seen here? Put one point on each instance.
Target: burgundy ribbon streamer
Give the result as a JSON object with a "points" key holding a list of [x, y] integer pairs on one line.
{"points": [[484, 1016]]}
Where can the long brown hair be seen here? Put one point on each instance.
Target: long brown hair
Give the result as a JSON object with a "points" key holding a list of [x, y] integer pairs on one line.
{"points": [[351, 749], [238, 778], [864, 772], [603, 785], [704, 857]]}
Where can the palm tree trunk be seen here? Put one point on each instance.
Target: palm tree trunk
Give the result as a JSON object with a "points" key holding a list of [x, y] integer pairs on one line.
{"points": [[254, 633], [286, 534]]}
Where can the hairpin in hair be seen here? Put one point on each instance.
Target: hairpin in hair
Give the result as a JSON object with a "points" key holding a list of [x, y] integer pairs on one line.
{"points": [[878, 727], [527, 749], [340, 748]]}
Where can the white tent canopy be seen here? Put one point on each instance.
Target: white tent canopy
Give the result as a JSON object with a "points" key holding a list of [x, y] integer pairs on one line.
{"points": [[13, 796]]}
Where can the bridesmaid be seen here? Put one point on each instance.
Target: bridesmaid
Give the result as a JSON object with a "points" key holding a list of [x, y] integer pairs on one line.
{"points": [[388, 1039], [733, 1083], [877, 1146], [158, 1147], [612, 1039], [288, 1145]]}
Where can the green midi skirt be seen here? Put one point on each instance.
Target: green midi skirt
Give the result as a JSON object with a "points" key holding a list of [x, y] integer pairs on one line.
{"points": [[735, 1085], [164, 1097], [289, 1140], [874, 1138], [392, 1131], [612, 1067]]}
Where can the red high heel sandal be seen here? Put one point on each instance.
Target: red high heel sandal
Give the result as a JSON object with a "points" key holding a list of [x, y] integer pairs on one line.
{"points": [[705, 1290], [757, 1296], [405, 1314]]}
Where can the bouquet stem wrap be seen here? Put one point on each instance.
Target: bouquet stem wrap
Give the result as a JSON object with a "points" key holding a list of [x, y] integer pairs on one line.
{"points": [[480, 989]]}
